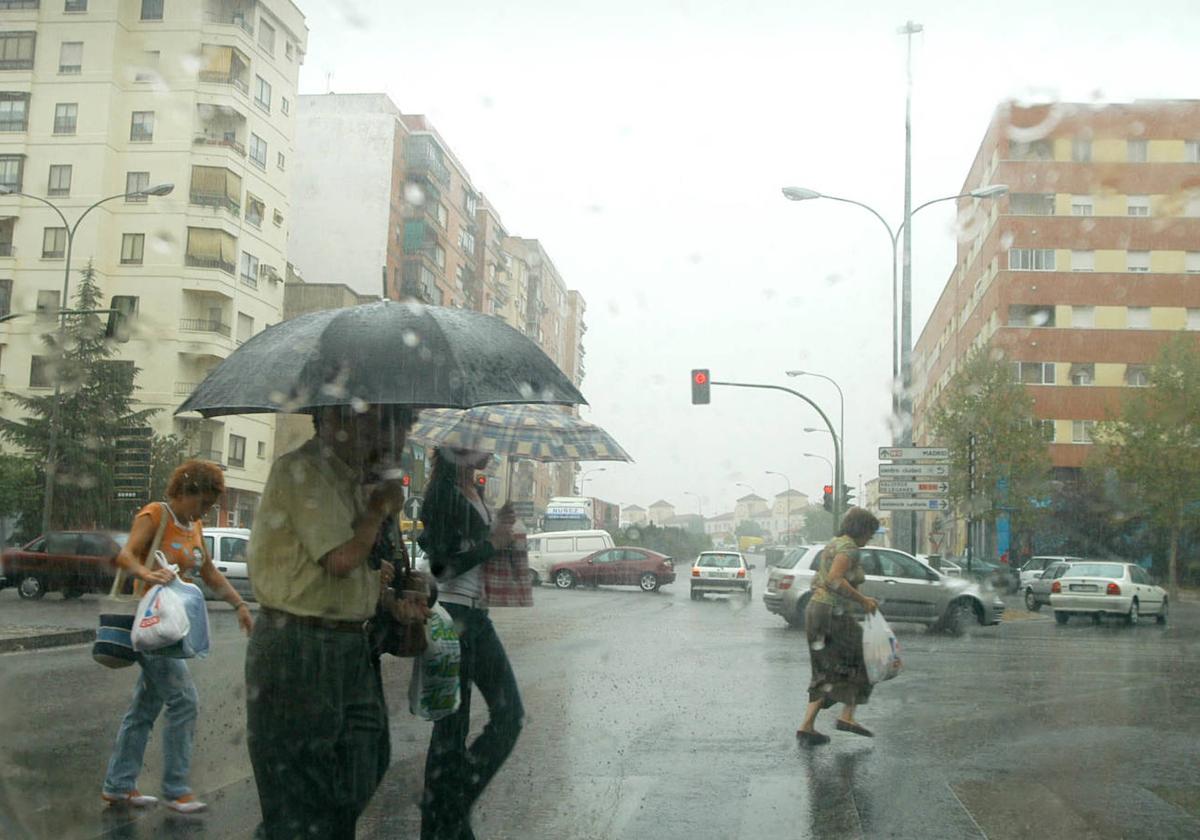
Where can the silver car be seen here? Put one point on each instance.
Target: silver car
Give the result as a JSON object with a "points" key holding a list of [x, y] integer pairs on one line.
{"points": [[907, 590], [1036, 587]]}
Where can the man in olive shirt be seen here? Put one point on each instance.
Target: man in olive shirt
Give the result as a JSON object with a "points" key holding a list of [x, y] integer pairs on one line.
{"points": [[317, 727]]}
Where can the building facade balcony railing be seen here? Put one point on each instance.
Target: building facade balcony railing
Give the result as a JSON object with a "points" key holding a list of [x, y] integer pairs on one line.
{"points": [[213, 455], [423, 163], [16, 63], [230, 19], [182, 389], [209, 262], [205, 325], [204, 199], [217, 77], [5, 5], [227, 142], [417, 290]]}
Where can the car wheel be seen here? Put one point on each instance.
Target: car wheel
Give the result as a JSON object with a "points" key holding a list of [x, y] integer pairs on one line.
{"points": [[1161, 618], [648, 582], [564, 579], [796, 619], [1061, 617], [69, 594], [1132, 618], [1031, 601], [958, 616], [534, 578], [697, 596], [31, 588]]}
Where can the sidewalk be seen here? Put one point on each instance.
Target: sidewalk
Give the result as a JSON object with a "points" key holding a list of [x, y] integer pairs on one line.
{"points": [[15, 638]]}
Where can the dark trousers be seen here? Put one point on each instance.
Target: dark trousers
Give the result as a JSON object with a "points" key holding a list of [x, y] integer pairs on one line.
{"points": [[316, 727], [456, 775]]}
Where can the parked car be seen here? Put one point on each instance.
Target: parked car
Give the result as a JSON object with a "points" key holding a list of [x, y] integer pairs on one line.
{"points": [[1099, 588], [907, 590], [71, 562], [941, 564], [1037, 591], [721, 572], [1033, 568], [551, 547], [227, 548], [623, 566], [991, 575]]}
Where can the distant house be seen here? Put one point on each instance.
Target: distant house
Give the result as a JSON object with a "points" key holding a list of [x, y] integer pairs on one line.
{"points": [[720, 527], [660, 512], [633, 515], [750, 506], [691, 522]]}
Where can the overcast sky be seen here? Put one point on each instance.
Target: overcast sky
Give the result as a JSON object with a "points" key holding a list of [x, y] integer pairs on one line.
{"points": [[645, 144]]}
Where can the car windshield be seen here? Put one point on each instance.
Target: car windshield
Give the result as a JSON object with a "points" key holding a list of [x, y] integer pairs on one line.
{"points": [[1102, 570], [720, 561]]}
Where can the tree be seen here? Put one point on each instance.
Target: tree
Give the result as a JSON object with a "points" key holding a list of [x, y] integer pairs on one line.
{"points": [[1011, 461], [18, 485], [818, 524], [673, 542], [1155, 446], [97, 396], [749, 528], [166, 453]]}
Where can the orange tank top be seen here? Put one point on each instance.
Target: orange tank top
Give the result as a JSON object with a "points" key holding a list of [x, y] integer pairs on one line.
{"points": [[183, 544]]}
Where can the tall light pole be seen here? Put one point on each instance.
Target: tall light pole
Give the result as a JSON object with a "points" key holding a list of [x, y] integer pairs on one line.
{"points": [[584, 476], [56, 410], [699, 501], [788, 528], [840, 476], [832, 471]]}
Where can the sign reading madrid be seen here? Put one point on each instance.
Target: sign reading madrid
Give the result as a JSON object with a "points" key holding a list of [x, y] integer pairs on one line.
{"points": [[892, 453]]}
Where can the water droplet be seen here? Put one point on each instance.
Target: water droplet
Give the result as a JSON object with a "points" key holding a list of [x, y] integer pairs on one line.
{"points": [[410, 338], [414, 194]]}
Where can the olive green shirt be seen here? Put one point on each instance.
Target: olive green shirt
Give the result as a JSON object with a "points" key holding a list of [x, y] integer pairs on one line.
{"points": [[821, 593], [308, 508]]}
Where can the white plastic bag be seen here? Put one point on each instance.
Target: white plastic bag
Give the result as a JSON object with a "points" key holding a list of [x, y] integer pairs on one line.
{"points": [[881, 651], [161, 618], [195, 643], [433, 691]]}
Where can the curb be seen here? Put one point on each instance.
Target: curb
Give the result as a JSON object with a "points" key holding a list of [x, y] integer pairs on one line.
{"points": [[60, 638]]}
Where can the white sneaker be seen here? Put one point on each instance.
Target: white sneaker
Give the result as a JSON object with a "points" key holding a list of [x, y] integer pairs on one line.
{"points": [[132, 798], [186, 804]]}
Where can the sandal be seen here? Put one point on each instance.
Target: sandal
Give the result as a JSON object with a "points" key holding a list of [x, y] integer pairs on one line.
{"points": [[846, 726], [812, 739]]}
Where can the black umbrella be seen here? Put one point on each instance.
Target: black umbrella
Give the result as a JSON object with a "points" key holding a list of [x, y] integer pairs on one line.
{"points": [[382, 353]]}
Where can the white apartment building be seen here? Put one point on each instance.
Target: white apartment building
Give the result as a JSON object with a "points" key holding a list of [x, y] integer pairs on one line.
{"points": [[104, 97]]}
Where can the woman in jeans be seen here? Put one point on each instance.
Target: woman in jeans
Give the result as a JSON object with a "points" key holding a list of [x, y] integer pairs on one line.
{"points": [[460, 534], [193, 489]]}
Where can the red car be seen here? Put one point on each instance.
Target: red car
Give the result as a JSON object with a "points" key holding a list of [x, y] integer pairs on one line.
{"points": [[71, 562], [616, 567]]}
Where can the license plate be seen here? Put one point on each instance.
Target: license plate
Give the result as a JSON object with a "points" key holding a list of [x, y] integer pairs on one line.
{"points": [[771, 587], [1084, 587]]}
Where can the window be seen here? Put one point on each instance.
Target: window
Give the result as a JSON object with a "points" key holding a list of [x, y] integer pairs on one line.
{"points": [[121, 320], [1136, 151], [60, 180], [1034, 373], [1137, 376], [278, 218], [256, 208], [1082, 205], [1046, 427], [1031, 259], [1138, 205], [1193, 319], [281, 161], [237, 451], [1083, 260], [262, 449], [5, 296], [211, 248], [147, 71], [1138, 261], [14, 111], [1083, 317], [54, 243], [466, 240], [1191, 262], [66, 115], [258, 151], [1191, 151], [7, 226], [16, 50], [289, 51], [47, 304], [249, 269], [1031, 204], [1035, 150], [141, 128], [262, 93], [284, 106], [245, 327], [266, 36], [40, 372], [1083, 373], [152, 9], [70, 58], [133, 246], [1081, 150], [75, 6], [443, 215], [1139, 317], [1081, 431], [470, 202], [11, 170], [1030, 315], [439, 256], [136, 182]]}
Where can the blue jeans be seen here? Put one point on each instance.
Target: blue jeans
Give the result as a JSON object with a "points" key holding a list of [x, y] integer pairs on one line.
{"points": [[163, 682]]}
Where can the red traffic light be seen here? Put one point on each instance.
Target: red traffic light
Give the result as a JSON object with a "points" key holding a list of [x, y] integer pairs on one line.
{"points": [[406, 480], [481, 480], [700, 386], [700, 377], [828, 489]]}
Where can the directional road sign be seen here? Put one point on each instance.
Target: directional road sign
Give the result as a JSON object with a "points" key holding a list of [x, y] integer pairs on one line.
{"points": [[913, 504], [913, 488], [892, 453], [914, 471]]}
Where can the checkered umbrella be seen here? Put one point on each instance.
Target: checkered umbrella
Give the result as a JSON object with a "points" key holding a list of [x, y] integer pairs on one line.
{"points": [[533, 432]]}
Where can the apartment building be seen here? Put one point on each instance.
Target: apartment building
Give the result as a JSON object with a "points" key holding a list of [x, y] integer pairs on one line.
{"points": [[101, 98], [1082, 271]]}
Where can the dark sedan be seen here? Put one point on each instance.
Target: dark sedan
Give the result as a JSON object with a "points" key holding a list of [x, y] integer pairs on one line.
{"points": [[616, 567], [71, 562]]}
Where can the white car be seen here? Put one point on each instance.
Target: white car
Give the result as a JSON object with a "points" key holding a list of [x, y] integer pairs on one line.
{"points": [[720, 572], [227, 548], [1099, 588]]}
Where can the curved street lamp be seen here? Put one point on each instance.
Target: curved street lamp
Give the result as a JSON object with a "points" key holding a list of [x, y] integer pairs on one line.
{"points": [[584, 477], [52, 443]]}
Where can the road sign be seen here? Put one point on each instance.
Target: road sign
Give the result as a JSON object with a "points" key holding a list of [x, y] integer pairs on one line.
{"points": [[913, 504], [914, 470], [892, 453], [913, 488]]}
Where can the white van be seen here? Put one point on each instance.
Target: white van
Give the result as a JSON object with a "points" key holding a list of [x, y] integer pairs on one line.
{"points": [[552, 547], [227, 548]]}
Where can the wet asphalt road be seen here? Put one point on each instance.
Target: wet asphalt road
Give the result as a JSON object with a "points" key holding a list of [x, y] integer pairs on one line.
{"points": [[651, 716]]}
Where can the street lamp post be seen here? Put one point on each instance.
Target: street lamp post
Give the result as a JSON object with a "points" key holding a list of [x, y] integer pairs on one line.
{"points": [[584, 477], [699, 501], [788, 528], [52, 443], [832, 471], [839, 478]]}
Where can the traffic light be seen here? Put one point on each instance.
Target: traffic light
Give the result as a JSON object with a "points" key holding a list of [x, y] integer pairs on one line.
{"points": [[847, 497], [827, 499], [700, 382], [406, 480], [481, 480]]}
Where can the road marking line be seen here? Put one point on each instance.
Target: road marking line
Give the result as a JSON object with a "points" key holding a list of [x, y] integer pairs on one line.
{"points": [[967, 811]]}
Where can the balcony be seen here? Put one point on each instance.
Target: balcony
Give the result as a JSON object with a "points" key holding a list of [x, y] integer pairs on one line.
{"points": [[211, 77], [204, 199], [6, 5], [213, 455], [423, 159], [183, 389], [209, 262], [226, 141], [205, 325]]}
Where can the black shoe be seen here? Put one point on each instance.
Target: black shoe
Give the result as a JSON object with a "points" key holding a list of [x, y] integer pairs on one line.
{"points": [[811, 739], [855, 728]]}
